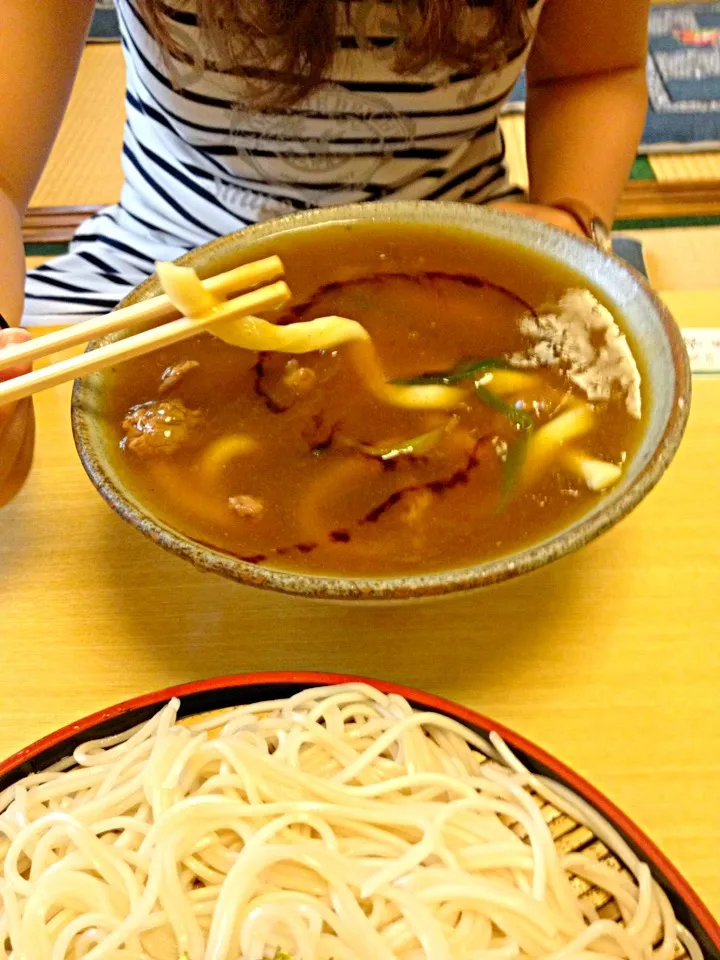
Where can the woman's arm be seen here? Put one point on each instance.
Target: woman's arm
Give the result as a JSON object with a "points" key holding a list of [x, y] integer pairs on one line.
{"points": [[40, 48], [587, 100]]}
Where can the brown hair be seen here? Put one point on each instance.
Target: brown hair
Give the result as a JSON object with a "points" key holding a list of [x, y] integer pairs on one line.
{"points": [[282, 48]]}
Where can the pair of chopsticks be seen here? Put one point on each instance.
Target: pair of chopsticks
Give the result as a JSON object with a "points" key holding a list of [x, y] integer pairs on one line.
{"points": [[247, 277]]}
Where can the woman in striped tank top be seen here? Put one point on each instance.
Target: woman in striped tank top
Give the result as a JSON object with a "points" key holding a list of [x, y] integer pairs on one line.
{"points": [[243, 110]]}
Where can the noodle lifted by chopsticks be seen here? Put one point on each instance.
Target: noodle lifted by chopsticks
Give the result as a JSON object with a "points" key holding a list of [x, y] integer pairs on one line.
{"points": [[186, 292]]}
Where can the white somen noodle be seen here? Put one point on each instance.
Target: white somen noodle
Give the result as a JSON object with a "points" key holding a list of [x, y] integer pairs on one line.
{"points": [[337, 823]]}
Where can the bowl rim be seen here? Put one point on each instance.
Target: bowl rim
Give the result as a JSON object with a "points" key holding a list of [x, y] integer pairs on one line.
{"points": [[397, 587], [205, 695]]}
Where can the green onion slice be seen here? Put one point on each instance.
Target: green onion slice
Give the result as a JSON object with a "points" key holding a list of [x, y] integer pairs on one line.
{"points": [[465, 370], [415, 446]]}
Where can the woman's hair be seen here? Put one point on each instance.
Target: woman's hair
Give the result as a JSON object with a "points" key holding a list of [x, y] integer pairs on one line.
{"points": [[282, 48]]}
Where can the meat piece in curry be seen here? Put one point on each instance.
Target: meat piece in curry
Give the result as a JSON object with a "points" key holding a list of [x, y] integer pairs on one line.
{"points": [[173, 374], [160, 428], [246, 507]]}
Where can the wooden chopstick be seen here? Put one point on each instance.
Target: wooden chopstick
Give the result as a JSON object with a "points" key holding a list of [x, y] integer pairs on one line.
{"points": [[266, 298], [147, 311]]}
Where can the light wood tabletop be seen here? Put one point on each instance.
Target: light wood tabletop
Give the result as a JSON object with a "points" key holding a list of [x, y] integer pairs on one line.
{"points": [[610, 658]]}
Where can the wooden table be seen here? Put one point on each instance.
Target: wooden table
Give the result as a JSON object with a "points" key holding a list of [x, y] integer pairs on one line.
{"points": [[609, 658]]}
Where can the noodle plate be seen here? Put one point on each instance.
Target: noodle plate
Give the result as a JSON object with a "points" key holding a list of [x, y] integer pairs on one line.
{"points": [[336, 824]]}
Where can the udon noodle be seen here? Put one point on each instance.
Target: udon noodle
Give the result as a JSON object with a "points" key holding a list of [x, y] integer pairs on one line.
{"points": [[337, 823], [187, 293]]}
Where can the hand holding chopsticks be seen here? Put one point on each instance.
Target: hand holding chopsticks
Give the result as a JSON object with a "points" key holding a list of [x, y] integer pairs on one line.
{"points": [[241, 278]]}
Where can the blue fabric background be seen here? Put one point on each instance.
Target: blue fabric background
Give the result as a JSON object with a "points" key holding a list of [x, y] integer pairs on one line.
{"points": [[105, 23]]}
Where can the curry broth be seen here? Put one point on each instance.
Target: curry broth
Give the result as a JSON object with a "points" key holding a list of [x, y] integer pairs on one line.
{"points": [[429, 297]]}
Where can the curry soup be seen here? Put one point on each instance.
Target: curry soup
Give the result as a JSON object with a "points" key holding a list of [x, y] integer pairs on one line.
{"points": [[291, 462]]}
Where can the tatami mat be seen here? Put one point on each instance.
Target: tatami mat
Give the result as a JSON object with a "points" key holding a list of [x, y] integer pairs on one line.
{"points": [[84, 167], [686, 166], [513, 128], [681, 167], [32, 262]]}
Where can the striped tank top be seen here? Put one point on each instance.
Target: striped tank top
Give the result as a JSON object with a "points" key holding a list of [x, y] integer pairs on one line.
{"points": [[198, 165]]}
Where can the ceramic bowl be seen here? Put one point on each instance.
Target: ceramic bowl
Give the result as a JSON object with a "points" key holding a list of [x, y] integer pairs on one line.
{"points": [[647, 321]]}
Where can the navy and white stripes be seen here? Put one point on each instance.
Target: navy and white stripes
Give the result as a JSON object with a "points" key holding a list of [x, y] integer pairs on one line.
{"points": [[198, 165]]}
